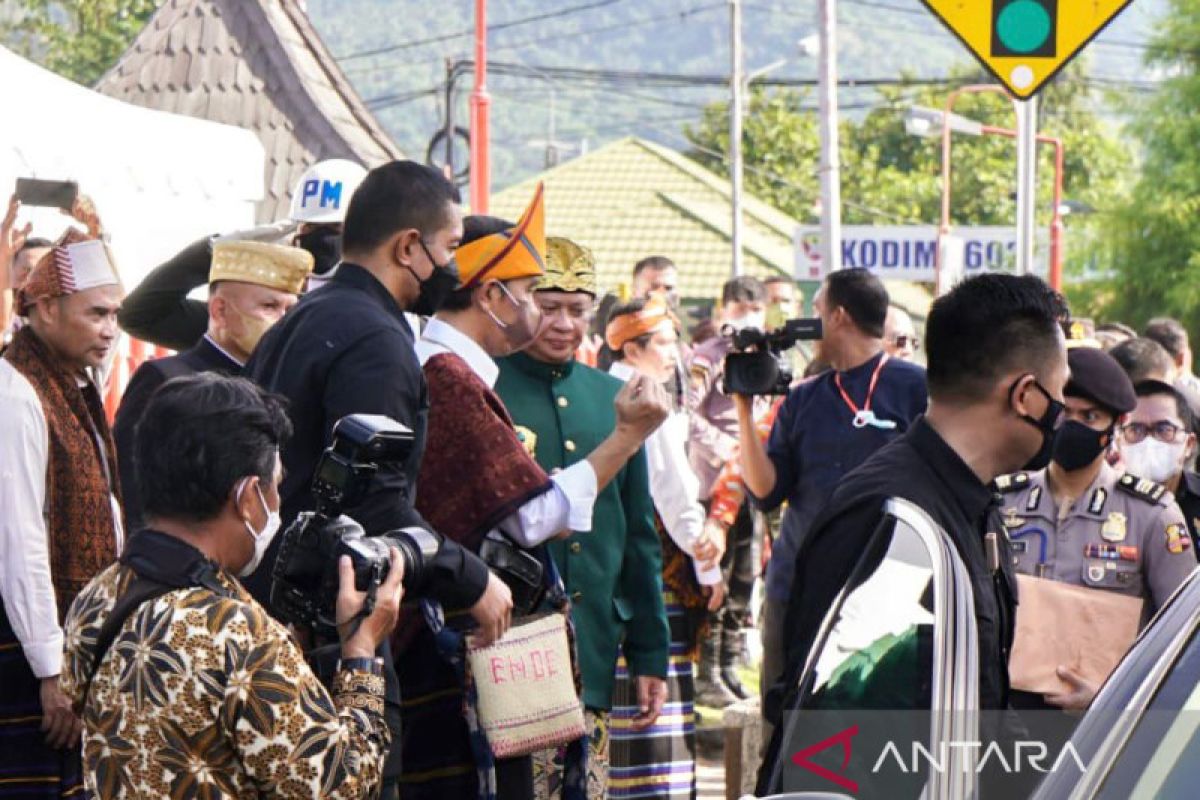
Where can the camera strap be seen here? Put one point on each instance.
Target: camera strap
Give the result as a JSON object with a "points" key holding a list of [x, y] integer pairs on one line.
{"points": [[161, 564], [865, 416]]}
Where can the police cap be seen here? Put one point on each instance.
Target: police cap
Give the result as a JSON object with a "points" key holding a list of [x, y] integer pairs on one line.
{"points": [[1096, 376]]}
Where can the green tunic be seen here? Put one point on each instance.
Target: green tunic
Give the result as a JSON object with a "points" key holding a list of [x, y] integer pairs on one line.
{"points": [[613, 574]]}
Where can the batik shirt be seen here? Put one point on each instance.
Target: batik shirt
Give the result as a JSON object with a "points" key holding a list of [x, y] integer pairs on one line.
{"points": [[203, 695]]}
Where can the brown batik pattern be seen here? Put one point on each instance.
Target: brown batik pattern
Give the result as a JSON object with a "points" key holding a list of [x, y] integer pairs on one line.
{"points": [[206, 696]]}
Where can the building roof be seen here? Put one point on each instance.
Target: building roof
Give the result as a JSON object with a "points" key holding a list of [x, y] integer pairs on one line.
{"points": [[260, 65], [634, 198]]}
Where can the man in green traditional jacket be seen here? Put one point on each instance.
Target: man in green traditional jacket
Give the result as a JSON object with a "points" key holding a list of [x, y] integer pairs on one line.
{"points": [[613, 574]]}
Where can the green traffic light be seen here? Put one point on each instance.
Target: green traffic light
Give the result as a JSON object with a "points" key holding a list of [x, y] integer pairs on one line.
{"points": [[1023, 26]]}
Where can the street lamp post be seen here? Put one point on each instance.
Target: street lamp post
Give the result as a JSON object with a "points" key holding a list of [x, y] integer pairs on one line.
{"points": [[944, 230], [921, 121]]}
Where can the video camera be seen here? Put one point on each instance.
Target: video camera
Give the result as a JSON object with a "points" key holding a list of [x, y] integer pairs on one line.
{"points": [[305, 585], [758, 365]]}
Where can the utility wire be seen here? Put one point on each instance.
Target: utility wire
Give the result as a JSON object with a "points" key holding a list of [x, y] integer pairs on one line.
{"points": [[586, 32], [471, 31]]}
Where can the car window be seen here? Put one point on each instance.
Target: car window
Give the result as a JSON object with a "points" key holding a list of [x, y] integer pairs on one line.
{"points": [[878, 654], [871, 678], [1162, 756]]}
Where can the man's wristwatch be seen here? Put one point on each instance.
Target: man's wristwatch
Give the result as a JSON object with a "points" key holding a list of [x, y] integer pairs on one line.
{"points": [[372, 665]]}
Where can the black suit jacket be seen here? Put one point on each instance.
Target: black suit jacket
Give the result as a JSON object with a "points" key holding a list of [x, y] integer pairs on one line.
{"points": [[203, 357]]}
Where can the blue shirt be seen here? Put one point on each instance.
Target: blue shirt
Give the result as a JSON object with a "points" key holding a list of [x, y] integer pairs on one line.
{"points": [[814, 444]]}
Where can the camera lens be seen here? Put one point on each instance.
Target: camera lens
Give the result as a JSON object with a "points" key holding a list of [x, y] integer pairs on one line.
{"points": [[417, 548]]}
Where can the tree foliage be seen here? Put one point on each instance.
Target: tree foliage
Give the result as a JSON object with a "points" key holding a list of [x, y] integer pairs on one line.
{"points": [[1152, 243], [890, 176], [79, 39]]}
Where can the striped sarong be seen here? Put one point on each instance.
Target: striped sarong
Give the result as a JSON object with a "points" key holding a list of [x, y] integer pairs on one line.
{"points": [[29, 769], [659, 762]]}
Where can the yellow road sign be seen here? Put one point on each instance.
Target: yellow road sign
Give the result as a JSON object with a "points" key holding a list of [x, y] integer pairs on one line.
{"points": [[1024, 43]]}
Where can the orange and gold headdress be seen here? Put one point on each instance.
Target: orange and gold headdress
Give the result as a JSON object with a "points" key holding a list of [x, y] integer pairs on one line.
{"points": [[653, 316], [519, 252]]}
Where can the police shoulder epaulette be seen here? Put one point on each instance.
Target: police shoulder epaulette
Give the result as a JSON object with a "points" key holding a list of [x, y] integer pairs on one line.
{"points": [[1144, 488], [1012, 483]]}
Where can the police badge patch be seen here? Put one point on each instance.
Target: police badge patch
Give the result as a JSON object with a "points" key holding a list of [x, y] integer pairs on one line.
{"points": [[1177, 538], [1114, 528]]}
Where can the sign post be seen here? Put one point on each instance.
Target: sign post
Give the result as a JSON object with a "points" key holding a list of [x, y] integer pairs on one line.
{"points": [[1024, 44]]}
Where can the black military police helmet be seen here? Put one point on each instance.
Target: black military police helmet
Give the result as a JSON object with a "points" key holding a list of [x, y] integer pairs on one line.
{"points": [[1096, 376]]}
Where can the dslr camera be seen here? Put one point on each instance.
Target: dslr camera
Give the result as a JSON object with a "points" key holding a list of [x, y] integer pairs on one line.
{"points": [[757, 364], [305, 581]]}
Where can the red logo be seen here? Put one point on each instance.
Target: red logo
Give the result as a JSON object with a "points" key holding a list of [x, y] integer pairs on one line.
{"points": [[842, 738]]}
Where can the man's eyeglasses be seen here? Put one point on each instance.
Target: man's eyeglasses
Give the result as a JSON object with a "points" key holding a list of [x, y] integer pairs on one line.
{"points": [[902, 341], [1163, 430]]}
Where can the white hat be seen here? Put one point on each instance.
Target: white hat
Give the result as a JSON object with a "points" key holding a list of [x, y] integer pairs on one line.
{"points": [[323, 192]]}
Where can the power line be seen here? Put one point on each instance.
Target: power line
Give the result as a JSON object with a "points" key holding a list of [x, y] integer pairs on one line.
{"points": [[470, 31], [586, 32]]}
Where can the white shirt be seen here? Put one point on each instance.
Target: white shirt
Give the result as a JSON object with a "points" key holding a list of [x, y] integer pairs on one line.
{"points": [[568, 504], [25, 584], [674, 487], [223, 351]]}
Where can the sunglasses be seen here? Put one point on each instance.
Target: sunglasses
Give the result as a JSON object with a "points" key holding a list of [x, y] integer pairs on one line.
{"points": [[903, 341], [1165, 431]]}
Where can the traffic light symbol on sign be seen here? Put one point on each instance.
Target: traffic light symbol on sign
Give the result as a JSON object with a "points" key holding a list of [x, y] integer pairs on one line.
{"points": [[1026, 28]]}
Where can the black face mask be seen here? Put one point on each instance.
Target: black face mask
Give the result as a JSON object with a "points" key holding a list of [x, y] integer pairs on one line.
{"points": [[325, 244], [1047, 425], [437, 287], [1076, 445]]}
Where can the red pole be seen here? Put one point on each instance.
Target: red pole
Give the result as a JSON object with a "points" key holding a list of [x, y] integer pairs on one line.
{"points": [[1056, 221], [481, 177]]}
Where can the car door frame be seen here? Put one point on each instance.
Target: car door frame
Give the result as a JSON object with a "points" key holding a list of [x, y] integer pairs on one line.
{"points": [[955, 689]]}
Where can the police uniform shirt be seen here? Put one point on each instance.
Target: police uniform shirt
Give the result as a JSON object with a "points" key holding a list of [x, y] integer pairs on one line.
{"points": [[1123, 534]]}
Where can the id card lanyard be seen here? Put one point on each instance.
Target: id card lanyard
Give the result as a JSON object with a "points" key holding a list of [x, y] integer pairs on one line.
{"points": [[865, 416]]}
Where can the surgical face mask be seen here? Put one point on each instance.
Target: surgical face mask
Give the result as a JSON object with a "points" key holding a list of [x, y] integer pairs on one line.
{"points": [[520, 333], [253, 330], [754, 319], [262, 539], [1150, 458], [325, 244], [437, 287]]}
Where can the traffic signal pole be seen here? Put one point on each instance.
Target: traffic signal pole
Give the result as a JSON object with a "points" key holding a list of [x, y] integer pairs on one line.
{"points": [[1026, 182]]}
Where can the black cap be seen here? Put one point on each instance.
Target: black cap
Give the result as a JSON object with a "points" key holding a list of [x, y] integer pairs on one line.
{"points": [[1098, 377]]}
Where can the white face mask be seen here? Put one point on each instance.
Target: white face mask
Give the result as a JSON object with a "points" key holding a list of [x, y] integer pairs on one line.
{"points": [[754, 319], [1153, 459], [262, 539]]}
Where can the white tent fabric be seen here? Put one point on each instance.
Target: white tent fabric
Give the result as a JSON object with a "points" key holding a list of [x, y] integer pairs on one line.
{"points": [[159, 180]]}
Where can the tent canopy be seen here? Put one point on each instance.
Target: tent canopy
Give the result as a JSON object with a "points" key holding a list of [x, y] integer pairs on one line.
{"points": [[159, 180]]}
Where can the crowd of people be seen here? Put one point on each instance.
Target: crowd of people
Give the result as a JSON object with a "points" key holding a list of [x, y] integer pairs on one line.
{"points": [[598, 508]]}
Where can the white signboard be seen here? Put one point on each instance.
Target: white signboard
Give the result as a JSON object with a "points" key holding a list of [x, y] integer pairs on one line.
{"points": [[906, 252]]}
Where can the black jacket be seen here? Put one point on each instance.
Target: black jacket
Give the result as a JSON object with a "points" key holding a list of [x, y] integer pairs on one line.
{"points": [[203, 357], [1188, 498], [159, 309], [346, 349], [919, 467]]}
